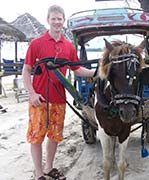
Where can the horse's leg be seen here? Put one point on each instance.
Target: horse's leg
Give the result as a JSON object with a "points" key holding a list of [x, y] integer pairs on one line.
{"points": [[108, 149], [122, 164]]}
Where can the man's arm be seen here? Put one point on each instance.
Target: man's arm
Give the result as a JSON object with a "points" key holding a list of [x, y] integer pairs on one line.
{"points": [[82, 71], [26, 73], [34, 98]]}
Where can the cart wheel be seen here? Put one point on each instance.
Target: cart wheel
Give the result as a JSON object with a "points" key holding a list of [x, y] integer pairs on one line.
{"points": [[89, 133], [147, 131]]}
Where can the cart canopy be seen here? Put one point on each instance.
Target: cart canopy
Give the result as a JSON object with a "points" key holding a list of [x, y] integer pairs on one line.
{"points": [[86, 25]]}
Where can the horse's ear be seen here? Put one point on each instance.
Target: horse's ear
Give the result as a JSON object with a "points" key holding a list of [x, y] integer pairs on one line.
{"points": [[142, 45], [108, 45]]}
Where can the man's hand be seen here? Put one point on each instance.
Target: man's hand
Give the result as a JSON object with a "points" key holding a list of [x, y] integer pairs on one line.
{"points": [[36, 99]]}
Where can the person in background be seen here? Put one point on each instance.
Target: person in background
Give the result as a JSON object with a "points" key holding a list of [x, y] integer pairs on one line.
{"points": [[51, 44]]}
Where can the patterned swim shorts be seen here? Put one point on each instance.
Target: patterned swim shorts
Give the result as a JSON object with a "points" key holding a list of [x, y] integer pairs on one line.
{"points": [[37, 123]]}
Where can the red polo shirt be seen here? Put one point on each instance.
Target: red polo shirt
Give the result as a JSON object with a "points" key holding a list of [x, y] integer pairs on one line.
{"points": [[46, 46]]}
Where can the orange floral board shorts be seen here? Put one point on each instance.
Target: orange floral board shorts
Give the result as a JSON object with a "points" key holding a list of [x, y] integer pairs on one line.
{"points": [[37, 123]]}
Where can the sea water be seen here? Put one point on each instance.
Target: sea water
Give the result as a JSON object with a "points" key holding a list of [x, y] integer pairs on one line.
{"points": [[8, 52]]}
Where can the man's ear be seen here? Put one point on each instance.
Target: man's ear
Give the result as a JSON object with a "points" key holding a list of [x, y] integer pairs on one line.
{"points": [[48, 20]]}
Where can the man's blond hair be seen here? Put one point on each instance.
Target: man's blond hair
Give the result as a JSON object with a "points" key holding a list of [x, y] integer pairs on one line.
{"points": [[56, 8]]}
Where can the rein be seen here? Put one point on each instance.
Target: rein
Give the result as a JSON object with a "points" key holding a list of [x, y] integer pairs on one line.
{"points": [[50, 64], [79, 115], [61, 62]]}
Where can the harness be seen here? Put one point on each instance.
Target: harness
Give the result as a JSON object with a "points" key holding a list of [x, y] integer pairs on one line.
{"points": [[131, 62], [50, 64]]}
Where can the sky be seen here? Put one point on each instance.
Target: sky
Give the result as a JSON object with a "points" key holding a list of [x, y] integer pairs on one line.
{"points": [[11, 9]]}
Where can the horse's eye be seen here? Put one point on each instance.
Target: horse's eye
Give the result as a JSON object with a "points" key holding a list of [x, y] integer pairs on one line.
{"points": [[127, 76]]}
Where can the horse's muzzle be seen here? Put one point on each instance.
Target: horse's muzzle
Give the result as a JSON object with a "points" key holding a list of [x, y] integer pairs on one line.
{"points": [[128, 107], [127, 113]]}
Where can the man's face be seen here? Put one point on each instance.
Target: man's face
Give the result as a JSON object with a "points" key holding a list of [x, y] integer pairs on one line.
{"points": [[56, 21]]}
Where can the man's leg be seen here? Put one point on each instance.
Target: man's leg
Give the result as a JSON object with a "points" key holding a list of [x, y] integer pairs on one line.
{"points": [[36, 152], [51, 148]]}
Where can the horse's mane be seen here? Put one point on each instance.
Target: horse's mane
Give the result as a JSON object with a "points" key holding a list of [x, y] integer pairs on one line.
{"points": [[119, 48]]}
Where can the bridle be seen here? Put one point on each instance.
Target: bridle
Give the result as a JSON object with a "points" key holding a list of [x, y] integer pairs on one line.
{"points": [[131, 61]]}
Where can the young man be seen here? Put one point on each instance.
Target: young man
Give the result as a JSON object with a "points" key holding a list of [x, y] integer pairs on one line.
{"points": [[50, 44]]}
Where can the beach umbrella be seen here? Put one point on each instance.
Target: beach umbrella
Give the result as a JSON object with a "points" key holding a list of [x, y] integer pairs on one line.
{"points": [[10, 33], [29, 25]]}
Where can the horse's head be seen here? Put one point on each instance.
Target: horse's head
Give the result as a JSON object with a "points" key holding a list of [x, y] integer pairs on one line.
{"points": [[121, 65]]}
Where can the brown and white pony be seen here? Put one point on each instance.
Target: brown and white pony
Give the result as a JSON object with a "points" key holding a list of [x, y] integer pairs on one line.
{"points": [[118, 101]]}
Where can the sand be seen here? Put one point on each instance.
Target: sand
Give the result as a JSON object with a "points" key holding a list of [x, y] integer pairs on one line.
{"points": [[78, 160]]}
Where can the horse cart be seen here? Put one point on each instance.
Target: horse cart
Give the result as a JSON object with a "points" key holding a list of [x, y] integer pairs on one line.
{"points": [[116, 100], [89, 28]]}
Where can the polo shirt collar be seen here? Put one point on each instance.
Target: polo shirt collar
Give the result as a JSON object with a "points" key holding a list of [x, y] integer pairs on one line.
{"points": [[47, 36]]}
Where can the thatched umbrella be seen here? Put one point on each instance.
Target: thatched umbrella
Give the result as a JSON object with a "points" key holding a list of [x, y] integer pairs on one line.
{"points": [[9, 32], [29, 25]]}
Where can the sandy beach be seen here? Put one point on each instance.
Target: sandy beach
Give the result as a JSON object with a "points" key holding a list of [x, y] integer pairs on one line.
{"points": [[15, 157], [74, 157]]}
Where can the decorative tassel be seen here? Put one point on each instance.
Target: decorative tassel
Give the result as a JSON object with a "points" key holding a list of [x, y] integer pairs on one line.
{"points": [[144, 152]]}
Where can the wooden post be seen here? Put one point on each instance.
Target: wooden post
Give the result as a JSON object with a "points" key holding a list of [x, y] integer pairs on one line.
{"points": [[16, 51], [16, 55], [0, 69]]}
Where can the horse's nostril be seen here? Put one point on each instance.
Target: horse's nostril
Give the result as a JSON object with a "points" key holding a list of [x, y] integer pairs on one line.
{"points": [[127, 113]]}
